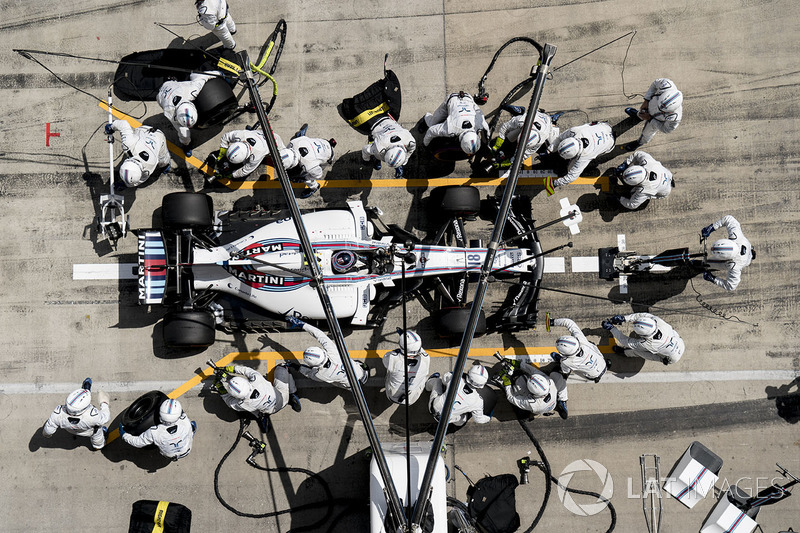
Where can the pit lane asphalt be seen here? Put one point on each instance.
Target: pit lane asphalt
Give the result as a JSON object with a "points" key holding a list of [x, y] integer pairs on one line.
{"points": [[734, 153]]}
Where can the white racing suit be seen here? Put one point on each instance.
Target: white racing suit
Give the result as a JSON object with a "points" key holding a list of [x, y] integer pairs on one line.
{"points": [[519, 396], [270, 399], [333, 370], [657, 184], [597, 140], [145, 144], [453, 117], [468, 403], [743, 257], [214, 16], [548, 133], [660, 121], [172, 93], [312, 155], [87, 424], [174, 442], [589, 363], [665, 346], [418, 367], [388, 133], [258, 149]]}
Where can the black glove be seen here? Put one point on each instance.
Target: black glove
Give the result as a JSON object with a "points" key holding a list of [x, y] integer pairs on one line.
{"points": [[617, 319], [607, 325], [294, 323], [705, 232], [121, 430], [109, 129], [708, 276], [556, 356], [665, 361], [620, 169]]}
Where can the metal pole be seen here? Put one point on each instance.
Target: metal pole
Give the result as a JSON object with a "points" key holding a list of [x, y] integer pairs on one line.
{"points": [[546, 56], [393, 501]]}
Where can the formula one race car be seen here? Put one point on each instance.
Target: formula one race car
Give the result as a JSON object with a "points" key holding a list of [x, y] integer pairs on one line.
{"points": [[246, 271]]}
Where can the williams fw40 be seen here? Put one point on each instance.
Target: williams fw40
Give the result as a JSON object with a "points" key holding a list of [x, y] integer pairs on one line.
{"points": [[245, 270]]}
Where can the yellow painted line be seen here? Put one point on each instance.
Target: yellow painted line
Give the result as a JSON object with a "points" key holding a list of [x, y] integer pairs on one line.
{"points": [[272, 359], [271, 183]]}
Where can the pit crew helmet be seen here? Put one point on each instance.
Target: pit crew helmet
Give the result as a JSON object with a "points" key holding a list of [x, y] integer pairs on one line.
{"points": [[239, 387], [477, 376], [395, 156], [78, 401], [645, 327], [634, 175], [671, 100], [568, 345], [130, 172], [723, 250], [289, 158], [469, 141], [238, 153], [569, 148], [534, 139], [170, 411], [538, 385], [186, 114], [314, 356], [413, 340]]}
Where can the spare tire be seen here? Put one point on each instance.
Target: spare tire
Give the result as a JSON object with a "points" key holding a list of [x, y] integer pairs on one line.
{"points": [[142, 413], [463, 199], [453, 322], [187, 210], [189, 329], [214, 103]]}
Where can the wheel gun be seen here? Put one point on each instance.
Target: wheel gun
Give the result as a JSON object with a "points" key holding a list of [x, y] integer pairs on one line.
{"points": [[257, 446]]}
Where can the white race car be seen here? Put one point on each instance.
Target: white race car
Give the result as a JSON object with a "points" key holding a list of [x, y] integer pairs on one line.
{"points": [[260, 275]]}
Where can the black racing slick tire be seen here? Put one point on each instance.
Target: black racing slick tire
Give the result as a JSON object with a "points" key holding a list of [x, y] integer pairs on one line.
{"points": [[447, 149], [142, 413], [215, 103], [453, 322], [187, 210], [462, 200], [189, 329]]}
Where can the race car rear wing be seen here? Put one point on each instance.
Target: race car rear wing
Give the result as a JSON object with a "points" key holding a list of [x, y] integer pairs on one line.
{"points": [[152, 262]]}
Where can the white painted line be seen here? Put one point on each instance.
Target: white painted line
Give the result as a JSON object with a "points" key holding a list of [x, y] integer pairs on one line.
{"points": [[536, 173], [586, 264], [66, 388], [104, 271], [777, 376], [554, 265], [622, 242]]}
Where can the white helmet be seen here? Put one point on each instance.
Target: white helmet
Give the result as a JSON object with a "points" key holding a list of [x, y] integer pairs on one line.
{"points": [[289, 158], [539, 385], [634, 175], [470, 143], [238, 153], [645, 327], [568, 345], [170, 411], [186, 114], [239, 387], [534, 139], [395, 156], [413, 340], [569, 148], [723, 250], [671, 100], [78, 401], [130, 172], [314, 356], [477, 376]]}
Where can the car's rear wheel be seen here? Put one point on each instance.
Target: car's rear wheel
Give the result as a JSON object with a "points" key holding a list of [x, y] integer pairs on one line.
{"points": [[189, 329], [187, 210], [453, 322], [464, 200], [142, 413], [447, 149], [215, 102]]}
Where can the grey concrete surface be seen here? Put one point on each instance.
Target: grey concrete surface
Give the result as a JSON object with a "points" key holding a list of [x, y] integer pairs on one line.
{"points": [[735, 153]]}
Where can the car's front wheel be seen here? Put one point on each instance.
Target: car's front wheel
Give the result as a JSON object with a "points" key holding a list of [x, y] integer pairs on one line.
{"points": [[189, 329]]}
